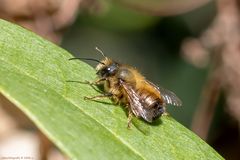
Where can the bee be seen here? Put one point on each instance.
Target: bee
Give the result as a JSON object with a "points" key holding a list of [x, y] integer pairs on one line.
{"points": [[127, 86]]}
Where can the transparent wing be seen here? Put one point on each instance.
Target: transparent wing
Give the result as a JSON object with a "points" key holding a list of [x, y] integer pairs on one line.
{"points": [[137, 105], [168, 96]]}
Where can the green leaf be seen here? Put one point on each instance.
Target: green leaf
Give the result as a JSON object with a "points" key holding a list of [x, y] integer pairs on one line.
{"points": [[33, 76]]}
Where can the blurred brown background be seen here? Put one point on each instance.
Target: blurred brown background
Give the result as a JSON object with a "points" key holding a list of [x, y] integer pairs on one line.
{"points": [[192, 48]]}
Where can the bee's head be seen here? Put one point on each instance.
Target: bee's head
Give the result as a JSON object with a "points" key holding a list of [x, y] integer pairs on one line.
{"points": [[107, 68]]}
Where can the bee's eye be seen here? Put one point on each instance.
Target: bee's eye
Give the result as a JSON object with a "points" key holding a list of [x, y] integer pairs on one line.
{"points": [[108, 71]]}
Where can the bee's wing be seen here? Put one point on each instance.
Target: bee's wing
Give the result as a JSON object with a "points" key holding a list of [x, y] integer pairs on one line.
{"points": [[138, 106], [168, 96]]}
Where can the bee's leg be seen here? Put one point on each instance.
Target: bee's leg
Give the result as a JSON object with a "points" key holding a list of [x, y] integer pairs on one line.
{"points": [[88, 82], [97, 82], [104, 95], [92, 84], [165, 113], [130, 116]]}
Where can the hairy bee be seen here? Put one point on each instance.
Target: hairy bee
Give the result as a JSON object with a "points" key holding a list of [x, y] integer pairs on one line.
{"points": [[125, 85]]}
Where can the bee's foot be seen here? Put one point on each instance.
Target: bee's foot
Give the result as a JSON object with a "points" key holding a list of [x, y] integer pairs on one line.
{"points": [[130, 116], [165, 114], [87, 98], [129, 125], [87, 82]]}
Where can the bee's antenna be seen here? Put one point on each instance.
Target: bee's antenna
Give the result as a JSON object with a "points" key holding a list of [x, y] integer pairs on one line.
{"points": [[90, 59], [100, 51]]}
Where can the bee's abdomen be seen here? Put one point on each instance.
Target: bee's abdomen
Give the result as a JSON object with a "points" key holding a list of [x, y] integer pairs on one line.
{"points": [[147, 97], [157, 110], [153, 106]]}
